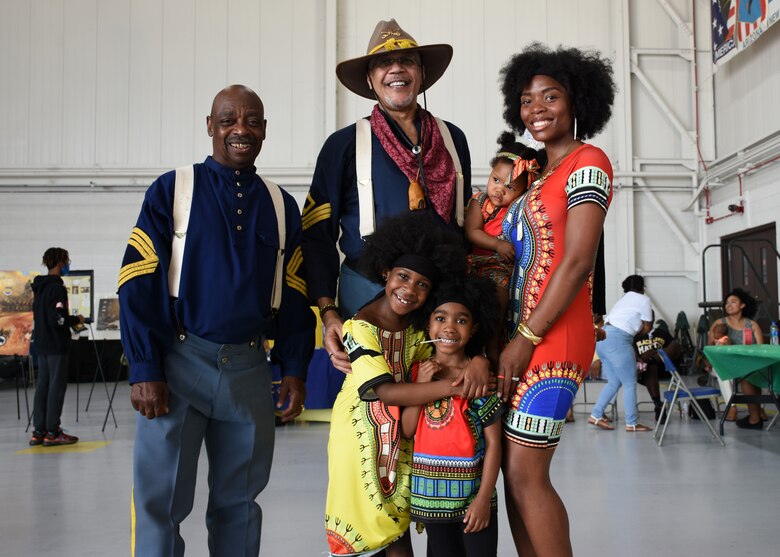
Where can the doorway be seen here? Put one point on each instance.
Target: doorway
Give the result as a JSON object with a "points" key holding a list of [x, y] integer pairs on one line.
{"points": [[749, 261]]}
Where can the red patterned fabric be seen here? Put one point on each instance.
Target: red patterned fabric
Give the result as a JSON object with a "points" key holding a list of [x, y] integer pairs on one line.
{"points": [[438, 168]]}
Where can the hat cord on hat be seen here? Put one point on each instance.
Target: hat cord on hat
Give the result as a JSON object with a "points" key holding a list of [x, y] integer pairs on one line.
{"points": [[393, 44]]}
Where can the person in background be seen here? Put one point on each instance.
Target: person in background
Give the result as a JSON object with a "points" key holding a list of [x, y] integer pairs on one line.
{"points": [[198, 371], [739, 308], [632, 315], [52, 322], [650, 365], [411, 169], [562, 97]]}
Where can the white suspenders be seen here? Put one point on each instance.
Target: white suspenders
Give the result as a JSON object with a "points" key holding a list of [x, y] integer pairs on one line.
{"points": [[363, 171], [182, 203]]}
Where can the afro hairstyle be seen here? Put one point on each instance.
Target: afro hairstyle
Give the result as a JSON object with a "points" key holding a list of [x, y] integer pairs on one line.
{"points": [[586, 75], [480, 297], [751, 304], [414, 233], [507, 144]]}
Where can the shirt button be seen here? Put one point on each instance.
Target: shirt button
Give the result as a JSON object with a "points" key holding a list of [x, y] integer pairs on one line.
{"points": [[240, 211], [238, 184], [239, 194], [239, 228], [251, 343], [238, 172], [224, 360]]}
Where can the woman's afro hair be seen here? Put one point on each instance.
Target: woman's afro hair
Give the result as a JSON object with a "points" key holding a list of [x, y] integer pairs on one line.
{"points": [[751, 305], [586, 75], [480, 297], [507, 143]]}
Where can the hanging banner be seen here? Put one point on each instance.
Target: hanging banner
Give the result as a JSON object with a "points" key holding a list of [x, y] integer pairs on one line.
{"points": [[751, 21], [772, 12], [724, 18]]}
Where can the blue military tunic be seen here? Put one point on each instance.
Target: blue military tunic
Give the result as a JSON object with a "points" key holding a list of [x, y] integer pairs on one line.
{"points": [[226, 277], [331, 214]]}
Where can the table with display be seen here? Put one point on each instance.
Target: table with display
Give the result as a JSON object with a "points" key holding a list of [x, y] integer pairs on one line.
{"points": [[759, 364]]}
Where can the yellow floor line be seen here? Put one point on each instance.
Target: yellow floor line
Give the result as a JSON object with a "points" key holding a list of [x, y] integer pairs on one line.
{"points": [[80, 447]]}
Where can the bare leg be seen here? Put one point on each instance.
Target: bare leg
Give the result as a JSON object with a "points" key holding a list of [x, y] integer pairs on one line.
{"points": [[754, 410], [537, 516]]}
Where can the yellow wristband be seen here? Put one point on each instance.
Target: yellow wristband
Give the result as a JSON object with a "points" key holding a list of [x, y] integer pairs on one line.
{"points": [[526, 331]]}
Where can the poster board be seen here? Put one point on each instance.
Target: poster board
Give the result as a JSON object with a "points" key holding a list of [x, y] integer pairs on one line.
{"points": [[81, 293], [16, 317], [108, 314]]}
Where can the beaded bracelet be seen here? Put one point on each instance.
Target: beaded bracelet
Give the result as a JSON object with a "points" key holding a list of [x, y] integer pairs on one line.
{"points": [[526, 331], [326, 308]]}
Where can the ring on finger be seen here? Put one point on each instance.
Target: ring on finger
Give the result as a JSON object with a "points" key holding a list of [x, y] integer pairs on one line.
{"points": [[515, 379]]}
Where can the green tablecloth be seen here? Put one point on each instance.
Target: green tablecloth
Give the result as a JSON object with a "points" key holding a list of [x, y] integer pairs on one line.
{"points": [[750, 361]]}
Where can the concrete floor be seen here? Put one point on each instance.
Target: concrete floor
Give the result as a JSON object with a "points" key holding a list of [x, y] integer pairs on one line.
{"points": [[625, 496]]}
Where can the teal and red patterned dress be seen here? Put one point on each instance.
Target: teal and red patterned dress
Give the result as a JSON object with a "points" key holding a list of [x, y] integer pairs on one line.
{"points": [[449, 449], [536, 224]]}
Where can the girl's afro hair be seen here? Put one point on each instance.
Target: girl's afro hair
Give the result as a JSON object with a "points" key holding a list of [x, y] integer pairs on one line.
{"points": [[414, 233], [479, 296], [507, 143], [586, 75]]}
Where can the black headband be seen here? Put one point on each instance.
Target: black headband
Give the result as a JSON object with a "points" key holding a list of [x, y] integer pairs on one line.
{"points": [[418, 264]]}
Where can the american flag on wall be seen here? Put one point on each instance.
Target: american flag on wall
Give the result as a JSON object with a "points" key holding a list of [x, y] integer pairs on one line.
{"points": [[751, 15], [724, 17]]}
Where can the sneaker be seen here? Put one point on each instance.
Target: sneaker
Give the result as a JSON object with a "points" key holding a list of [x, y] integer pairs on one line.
{"points": [[37, 438], [59, 438]]}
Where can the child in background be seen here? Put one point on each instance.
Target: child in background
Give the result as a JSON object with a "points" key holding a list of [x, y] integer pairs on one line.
{"points": [[514, 168], [457, 443], [720, 332], [369, 463]]}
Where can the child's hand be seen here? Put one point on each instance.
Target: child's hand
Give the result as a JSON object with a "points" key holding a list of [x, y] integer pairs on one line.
{"points": [[427, 370], [477, 515], [505, 250]]}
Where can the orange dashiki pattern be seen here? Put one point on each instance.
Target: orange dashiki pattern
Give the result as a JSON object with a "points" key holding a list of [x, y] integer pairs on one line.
{"points": [[536, 224]]}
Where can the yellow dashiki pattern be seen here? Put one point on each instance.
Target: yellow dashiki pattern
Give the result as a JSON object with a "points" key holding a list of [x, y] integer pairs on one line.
{"points": [[369, 464]]}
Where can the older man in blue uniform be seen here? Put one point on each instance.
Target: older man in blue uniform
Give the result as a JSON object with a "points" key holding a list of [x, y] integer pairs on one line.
{"points": [[197, 365], [414, 162]]}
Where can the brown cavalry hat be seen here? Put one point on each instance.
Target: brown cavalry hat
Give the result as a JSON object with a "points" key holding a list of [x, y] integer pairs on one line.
{"points": [[388, 37]]}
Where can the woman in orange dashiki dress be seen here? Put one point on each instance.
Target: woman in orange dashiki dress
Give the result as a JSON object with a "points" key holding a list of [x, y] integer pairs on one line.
{"points": [[561, 97]]}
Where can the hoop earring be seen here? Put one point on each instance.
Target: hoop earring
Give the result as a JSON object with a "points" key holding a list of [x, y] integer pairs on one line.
{"points": [[575, 128]]}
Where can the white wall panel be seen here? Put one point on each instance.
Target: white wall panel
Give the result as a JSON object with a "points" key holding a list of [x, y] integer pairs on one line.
{"points": [[79, 74], [746, 92], [15, 85], [44, 117], [113, 83]]}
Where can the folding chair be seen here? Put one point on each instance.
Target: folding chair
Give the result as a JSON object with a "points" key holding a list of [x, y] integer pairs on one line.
{"points": [[678, 390]]}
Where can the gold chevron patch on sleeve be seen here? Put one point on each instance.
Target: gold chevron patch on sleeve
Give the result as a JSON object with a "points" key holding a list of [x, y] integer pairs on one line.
{"points": [[315, 215], [292, 278], [144, 246]]}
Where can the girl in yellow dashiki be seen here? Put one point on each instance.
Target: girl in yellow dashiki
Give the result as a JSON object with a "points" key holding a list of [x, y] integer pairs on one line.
{"points": [[369, 464]]}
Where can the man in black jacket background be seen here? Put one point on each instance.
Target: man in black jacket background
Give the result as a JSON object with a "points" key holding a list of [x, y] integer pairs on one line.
{"points": [[52, 321]]}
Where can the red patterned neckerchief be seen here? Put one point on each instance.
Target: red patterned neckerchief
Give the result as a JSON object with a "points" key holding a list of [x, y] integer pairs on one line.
{"points": [[438, 168]]}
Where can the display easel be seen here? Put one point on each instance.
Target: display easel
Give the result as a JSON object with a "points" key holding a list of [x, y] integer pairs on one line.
{"points": [[98, 371]]}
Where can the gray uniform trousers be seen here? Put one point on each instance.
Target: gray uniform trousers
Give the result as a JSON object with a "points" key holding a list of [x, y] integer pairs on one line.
{"points": [[220, 394]]}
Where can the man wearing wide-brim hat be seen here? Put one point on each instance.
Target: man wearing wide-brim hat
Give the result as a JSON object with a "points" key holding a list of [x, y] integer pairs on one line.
{"points": [[410, 161]]}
